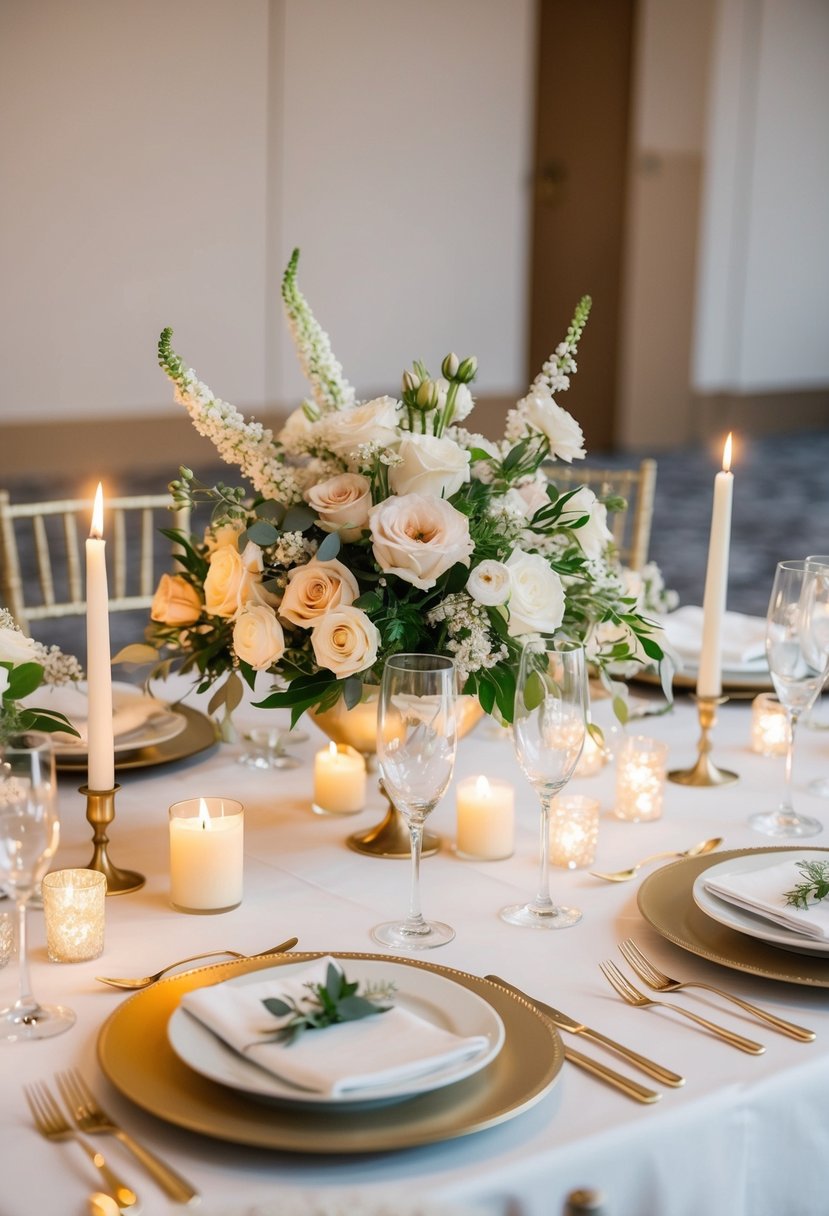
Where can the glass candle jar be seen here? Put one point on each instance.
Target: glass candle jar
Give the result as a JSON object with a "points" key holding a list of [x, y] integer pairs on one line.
{"points": [[769, 726], [73, 906], [206, 854], [640, 779], [574, 831]]}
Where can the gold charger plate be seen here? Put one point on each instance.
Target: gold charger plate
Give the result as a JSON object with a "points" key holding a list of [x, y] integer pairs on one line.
{"points": [[136, 1056], [737, 688], [667, 903], [199, 733]]}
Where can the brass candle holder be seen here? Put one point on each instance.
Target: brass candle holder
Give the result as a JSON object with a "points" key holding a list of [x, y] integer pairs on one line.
{"points": [[100, 811], [704, 772]]}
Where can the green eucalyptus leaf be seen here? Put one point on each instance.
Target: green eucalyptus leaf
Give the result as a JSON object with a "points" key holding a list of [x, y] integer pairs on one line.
{"points": [[262, 533], [329, 548]]}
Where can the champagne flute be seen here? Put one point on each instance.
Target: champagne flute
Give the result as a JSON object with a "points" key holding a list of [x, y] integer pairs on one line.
{"points": [[416, 745], [819, 638], [29, 833], [796, 670], [549, 727]]}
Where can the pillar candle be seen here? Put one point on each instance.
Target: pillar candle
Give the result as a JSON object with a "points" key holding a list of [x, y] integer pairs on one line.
{"points": [[206, 854], [709, 676], [486, 818], [339, 780], [100, 746]]}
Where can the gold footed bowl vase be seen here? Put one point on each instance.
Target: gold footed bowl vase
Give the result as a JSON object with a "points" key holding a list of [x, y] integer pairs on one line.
{"points": [[358, 728]]}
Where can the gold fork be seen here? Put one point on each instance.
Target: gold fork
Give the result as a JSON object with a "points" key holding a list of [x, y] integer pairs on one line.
{"points": [[90, 1117], [144, 981], [52, 1124], [661, 982], [631, 994]]}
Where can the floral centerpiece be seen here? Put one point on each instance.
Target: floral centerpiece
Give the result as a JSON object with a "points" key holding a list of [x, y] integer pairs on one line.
{"points": [[24, 665], [372, 527]]}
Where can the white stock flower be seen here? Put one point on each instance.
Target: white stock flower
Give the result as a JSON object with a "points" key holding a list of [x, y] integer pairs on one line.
{"points": [[418, 538], [257, 636], [489, 583], [594, 536], [342, 504], [536, 603], [464, 403], [374, 421], [15, 647], [563, 433], [345, 641], [315, 589], [429, 465]]}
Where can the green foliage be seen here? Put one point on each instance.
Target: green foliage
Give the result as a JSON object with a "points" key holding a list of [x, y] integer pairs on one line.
{"points": [[337, 1000], [815, 885]]}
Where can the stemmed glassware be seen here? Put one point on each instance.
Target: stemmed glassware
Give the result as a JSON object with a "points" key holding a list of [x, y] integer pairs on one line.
{"points": [[549, 727], [820, 639], [28, 839], [416, 746], [796, 664]]}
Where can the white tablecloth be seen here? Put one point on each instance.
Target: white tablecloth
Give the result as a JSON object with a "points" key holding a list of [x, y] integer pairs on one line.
{"points": [[746, 1135]]}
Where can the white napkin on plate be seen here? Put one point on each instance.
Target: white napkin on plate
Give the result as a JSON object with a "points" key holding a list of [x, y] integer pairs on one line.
{"points": [[742, 640], [337, 1061], [762, 892], [130, 709]]}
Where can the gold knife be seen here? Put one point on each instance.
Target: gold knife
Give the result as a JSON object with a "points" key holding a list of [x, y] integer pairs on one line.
{"points": [[631, 1088], [563, 1022]]}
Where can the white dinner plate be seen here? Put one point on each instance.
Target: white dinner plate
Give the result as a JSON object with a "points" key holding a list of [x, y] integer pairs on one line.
{"points": [[434, 997], [154, 722], [746, 922]]}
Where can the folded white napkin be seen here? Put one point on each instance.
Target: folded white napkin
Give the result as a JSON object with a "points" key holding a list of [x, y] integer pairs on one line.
{"points": [[742, 639], [762, 892], [130, 709], [337, 1061]]}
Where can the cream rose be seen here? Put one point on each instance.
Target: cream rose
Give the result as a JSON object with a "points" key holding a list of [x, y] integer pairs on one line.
{"points": [[345, 641], [489, 583], [594, 536], [374, 421], [536, 603], [418, 538], [176, 602], [315, 589], [342, 504], [257, 636], [563, 432], [15, 647], [233, 580], [528, 497], [429, 465]]}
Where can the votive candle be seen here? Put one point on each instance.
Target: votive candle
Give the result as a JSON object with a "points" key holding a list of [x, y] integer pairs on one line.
{"points": [[769, 726], [592, 759], [73, 908], [640, 779], [574, 831], [206, 854], [485, 818], [339, 780]]}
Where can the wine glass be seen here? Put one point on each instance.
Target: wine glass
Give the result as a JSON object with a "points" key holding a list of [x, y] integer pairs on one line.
{"points": [[29, 833], [416, 745], [819, 638], [796, 668], [548, 734]]}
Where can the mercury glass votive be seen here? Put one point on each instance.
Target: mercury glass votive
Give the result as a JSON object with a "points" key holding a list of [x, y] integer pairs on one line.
{"points": [[73, 906], [574, 831], [6, 937], [640, 779], [769, 726], [592, 759]]}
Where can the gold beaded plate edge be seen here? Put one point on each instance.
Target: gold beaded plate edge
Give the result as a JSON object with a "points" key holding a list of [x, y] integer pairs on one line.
{"points": [[666, 902], [135, 1054], [199, 734]]}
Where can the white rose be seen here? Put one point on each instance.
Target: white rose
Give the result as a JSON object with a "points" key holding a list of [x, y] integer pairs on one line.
{"points": [[418, 537], [594, 536], [315, 589], [489, 583], [296, 431], [345, 641], [529, 497], [257, 636], [342, 504], [15, 647], [429, 465], [233, 580], [563, 432], [536, 603], [4, 681], [375, 421]]}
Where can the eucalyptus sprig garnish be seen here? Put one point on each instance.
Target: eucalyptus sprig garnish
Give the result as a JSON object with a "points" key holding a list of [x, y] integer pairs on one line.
{"points": [[814, 887], [337, 1000]]}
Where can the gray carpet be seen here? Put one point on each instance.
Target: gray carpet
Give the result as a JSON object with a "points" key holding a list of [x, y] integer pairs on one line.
{"points": [[781, 510]]}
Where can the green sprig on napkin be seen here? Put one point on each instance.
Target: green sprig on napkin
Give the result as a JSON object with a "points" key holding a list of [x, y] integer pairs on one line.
{"points": [[337, 1000], [814, 887]]}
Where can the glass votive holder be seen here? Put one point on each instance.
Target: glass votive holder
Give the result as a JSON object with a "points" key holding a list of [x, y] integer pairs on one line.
{"points": [[769, 726], [485, 808], [6, 937], [339, 780], [206, 854], [574, 831], [73, 906], [592, 759], [640, 779]]}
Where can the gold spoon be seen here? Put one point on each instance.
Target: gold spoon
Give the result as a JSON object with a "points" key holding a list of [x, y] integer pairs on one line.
{"points": [[144, 981], [697, 850]]}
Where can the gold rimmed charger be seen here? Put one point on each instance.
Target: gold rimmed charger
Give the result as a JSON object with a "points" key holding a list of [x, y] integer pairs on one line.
{"points": [[136, 1056], [666, 902], [199, 734]]}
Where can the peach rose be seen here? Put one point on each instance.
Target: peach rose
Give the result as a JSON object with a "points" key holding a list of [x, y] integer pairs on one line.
{"points": [[315, 589], [176, 602], [345, 641], [257, 636], [342, 504], [225, 534], [418, 538], [233, 580]]}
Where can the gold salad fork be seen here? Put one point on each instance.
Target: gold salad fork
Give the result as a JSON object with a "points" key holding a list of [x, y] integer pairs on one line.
{"points": [[661, 982], [144, 981], [90, 1117], [51, 1123], [631, 994]]}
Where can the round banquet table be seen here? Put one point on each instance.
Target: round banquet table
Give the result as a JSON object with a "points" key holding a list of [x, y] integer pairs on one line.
{"points": [[745, 1135]]}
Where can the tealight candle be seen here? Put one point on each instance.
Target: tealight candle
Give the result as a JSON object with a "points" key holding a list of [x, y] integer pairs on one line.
{"points": [[206, 854], [769, 726], [574, 830], [486, 818], [339, 780], [640, 779], [73, 907]]}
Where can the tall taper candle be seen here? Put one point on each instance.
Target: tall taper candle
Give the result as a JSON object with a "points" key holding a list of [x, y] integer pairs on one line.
{"points": [[100, 746], [709, 677]]}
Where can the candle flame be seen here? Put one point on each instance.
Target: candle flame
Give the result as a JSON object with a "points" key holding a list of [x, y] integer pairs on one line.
{"points": [[482, 787], [97, 529], [726, 455], [333, 750], [204, 816]]}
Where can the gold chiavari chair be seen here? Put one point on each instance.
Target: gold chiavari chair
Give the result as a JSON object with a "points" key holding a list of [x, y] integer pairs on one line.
{"points": [[631, 527]]}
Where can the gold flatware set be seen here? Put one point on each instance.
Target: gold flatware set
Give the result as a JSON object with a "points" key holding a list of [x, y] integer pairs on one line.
{"points": [[696, 850]]}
